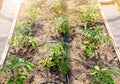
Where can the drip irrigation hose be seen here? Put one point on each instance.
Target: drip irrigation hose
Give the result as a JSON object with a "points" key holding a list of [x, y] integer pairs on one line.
{"points": [[65, 47]]}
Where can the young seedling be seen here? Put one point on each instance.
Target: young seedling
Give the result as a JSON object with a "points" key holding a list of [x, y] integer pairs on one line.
{"points": [[88, 14], [19, 69], [30, 41], [56, 58], [23, 32], [32, 14], [104, 75], [22, 35], [93, 37], [18, 40], [22, 27], [62, 24]]}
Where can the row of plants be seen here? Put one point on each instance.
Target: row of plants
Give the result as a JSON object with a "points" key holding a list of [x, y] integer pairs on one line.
{"points": [[23, 33], [57, 60], [20, 68], [93, 37]]}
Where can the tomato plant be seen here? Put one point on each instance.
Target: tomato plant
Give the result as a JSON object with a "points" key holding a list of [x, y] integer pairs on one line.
{"points": [[104, 75], [62, 24], [19, 69], [56, 57], [93, 37]]}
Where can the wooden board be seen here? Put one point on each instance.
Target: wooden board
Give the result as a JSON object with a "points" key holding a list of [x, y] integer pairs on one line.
{"points": [[110, 33]]}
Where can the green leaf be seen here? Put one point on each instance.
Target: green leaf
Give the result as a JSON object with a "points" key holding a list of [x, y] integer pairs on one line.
{"points": [[11, 80], [25, 70], [103, 69], [83, 46], [28, 66], [31, 64], [60, 65], [89, 35], [21, 60], [80, 31], [51, 63], [18, 81], [97, 68], [53, 21], [51, 58], [34, 44], [93, 72], [14, 66], [43, 63], [66, 69], [87, 52], [86, 42], [93, 47], [22, 76]]}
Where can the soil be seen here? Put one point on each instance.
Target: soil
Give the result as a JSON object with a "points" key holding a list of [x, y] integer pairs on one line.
{"points": [[43, 31]]}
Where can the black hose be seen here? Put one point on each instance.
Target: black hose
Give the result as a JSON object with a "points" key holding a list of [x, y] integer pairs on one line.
{"points": [[65, 47]]}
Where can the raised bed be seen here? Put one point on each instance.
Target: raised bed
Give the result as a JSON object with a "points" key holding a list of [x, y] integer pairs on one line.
{"points": [[80, 65]]}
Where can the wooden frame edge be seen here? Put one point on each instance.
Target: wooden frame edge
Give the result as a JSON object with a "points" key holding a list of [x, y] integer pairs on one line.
{"points": [[9, 37], [110, 33]]}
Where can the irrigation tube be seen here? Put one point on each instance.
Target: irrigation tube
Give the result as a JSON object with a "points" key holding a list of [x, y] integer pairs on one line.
{"points": [[65, 47]]}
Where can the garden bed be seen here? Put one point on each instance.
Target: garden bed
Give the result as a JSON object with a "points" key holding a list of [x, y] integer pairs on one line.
{"points": [[43, 30]]}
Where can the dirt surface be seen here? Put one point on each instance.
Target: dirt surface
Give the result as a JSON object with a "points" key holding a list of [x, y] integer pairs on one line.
{"points": [[80, 67]]}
